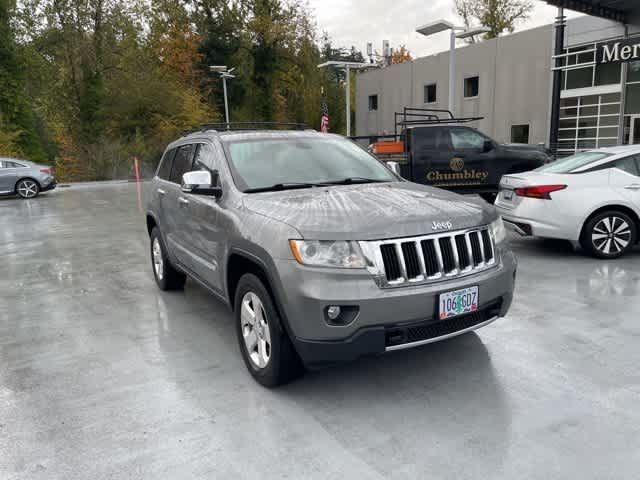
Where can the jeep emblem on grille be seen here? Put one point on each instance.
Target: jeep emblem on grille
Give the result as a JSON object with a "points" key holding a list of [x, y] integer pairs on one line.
{"points": [[437, 226]]}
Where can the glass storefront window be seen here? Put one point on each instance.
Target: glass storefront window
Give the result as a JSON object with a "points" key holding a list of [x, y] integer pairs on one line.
{"points": [[610, 109], [588, 133], [568, 112], [567, 134], [567, 124], [610, 98], [633, 74], [608, 73], [586, 111], [633, 99], [608, 132], [587, 122], [609, 120], [580, 78], [594, 123]]}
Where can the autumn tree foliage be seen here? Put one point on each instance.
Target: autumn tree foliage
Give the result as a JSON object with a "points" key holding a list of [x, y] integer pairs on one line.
{"points": [[112, 79], [401, 55]]}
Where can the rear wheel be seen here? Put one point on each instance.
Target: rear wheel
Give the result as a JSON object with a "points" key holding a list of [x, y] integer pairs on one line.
{"points": [[167, 277], [264, 344], [609, 234], [27, 188]]}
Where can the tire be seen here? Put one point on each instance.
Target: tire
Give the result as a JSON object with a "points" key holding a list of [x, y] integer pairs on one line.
{"points": [[609, 234], [27, 188], [489, 197], [264, 344], [167, 277]]}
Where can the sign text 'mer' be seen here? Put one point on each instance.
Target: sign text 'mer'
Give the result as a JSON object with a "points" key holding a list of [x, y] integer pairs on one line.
{"points": [[619, 51]]}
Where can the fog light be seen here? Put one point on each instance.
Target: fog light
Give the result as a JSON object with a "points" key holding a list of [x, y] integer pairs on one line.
{"points": [[333, 312]]}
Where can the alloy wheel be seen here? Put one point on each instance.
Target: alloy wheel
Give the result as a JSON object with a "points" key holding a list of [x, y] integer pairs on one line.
{"points": [[158, 262], [611, 235], [27, 189], [255, 330]]}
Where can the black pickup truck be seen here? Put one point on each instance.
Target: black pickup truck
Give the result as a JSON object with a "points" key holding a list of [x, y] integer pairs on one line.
{"points": [[434, 148]]}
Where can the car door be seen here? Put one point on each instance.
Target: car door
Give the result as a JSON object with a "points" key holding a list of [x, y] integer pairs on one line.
{"points": [[171, 204], [8, 176], [625, 178], [202, 228], [470, 165], [159, 186], [430, 149]]}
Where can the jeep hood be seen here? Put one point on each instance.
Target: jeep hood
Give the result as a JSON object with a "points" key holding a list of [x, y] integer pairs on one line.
{"points": [[370, 211]]}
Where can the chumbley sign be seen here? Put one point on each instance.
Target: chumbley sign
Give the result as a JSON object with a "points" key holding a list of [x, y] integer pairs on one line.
{"points": [[619, 51]]}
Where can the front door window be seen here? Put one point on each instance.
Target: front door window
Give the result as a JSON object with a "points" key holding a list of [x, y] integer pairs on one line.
{"points": [[634, 138]]}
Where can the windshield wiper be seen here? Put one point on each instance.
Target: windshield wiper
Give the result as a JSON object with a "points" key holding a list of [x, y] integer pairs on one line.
{"points": [[354, 180], [284, 186]]}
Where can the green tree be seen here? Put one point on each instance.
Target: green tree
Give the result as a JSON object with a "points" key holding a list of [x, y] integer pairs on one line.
{"points": [[498, 15], [17, 124]]}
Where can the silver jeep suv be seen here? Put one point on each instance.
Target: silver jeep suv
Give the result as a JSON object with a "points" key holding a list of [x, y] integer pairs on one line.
{"points": [[322, 252]]}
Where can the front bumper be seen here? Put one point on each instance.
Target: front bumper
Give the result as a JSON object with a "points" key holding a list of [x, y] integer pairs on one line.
{"points": [[386, 319]]}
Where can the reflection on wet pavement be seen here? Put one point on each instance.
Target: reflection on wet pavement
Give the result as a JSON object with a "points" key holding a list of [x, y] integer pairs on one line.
{"points": [[103, 376]]}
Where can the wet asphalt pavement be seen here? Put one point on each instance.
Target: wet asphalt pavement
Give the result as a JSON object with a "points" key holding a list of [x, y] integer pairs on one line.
{"points": [[102, 376]]}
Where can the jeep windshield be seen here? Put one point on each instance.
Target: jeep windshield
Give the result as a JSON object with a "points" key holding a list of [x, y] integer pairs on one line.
{"points": [[304, 162]]}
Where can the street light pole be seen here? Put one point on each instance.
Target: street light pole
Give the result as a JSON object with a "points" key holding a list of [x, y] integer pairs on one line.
{"points": [[452, 70], [347, 66], [226, 100], [224, 74], [348, 70], [455, 33]]}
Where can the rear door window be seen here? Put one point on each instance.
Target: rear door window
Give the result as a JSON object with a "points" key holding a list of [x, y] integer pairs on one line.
{"points": [[430, 138], [164, 171], [181, 163]]}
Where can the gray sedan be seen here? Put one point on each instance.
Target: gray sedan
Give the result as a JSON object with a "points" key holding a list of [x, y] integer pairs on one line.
{"points": [[25, 179]]}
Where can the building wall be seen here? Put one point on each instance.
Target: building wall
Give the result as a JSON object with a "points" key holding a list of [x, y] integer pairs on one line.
{"points": [[514, 86]]}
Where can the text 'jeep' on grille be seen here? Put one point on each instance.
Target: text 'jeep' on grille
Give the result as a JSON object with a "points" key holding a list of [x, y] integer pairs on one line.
{"points": [[321, 250]]}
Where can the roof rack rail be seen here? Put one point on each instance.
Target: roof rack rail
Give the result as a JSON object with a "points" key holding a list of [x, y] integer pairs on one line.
{"points": [[253, 126], [247, 126], [427, 116]]}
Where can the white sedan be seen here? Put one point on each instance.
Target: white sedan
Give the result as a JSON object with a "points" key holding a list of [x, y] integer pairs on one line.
{"points": [[591, 198]]}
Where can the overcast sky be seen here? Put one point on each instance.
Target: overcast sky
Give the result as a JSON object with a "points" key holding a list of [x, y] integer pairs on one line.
{"points": [[351, 22]]}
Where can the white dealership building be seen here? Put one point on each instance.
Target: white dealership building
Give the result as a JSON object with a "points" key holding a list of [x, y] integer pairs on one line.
{"points": [[509, 81]]}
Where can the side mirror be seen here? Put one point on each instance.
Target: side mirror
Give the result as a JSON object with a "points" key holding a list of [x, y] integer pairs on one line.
{"points": [[394, 167], [487, 146], [202, 182]]}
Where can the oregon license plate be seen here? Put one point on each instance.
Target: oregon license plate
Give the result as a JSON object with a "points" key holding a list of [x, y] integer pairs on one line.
{"points": [[459, 302]]}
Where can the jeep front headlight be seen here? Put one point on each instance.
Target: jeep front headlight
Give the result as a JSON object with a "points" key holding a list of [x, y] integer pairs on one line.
{"points": [[499, 231], [327, 253]]}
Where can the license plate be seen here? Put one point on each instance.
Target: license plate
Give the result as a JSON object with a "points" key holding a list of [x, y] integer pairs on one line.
{"points": [[459, 302], [507, 194]]}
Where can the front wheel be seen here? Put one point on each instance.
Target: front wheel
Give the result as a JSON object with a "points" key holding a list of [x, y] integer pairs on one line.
{"points": [[27, 188], [609, 235], [265, 346]]}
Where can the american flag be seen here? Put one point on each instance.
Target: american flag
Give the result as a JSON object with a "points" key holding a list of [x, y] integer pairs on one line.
{"points": [[324, 121]]}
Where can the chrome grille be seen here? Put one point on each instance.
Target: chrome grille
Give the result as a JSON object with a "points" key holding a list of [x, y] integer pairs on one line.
{"points": [[416, 260]]}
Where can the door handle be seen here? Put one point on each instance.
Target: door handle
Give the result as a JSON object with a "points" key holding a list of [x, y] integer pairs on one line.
{"points": [[183, 201], [161, 191], [635, 186]]}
